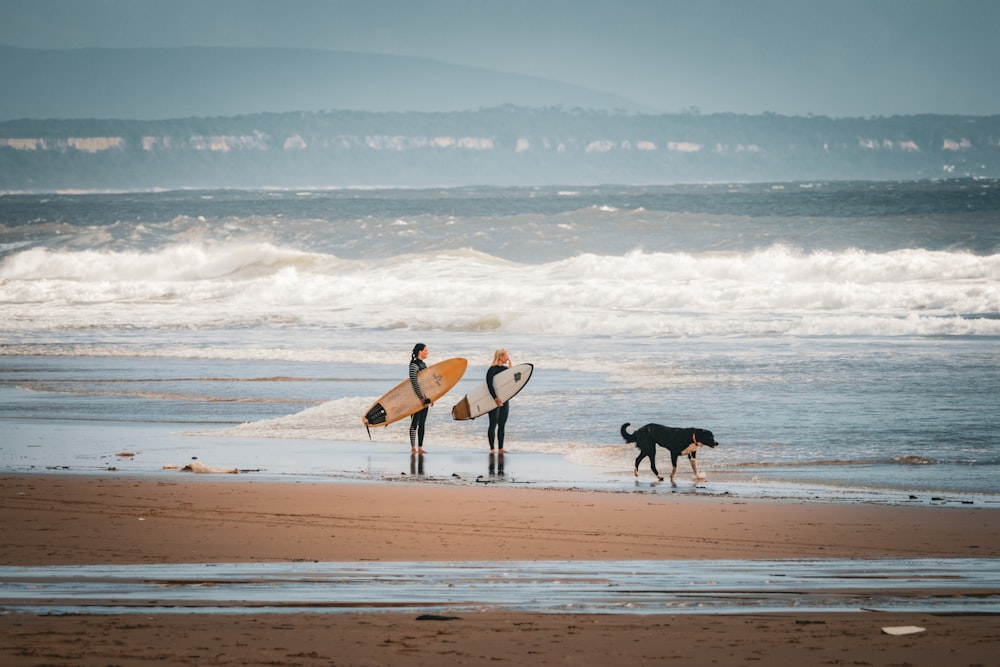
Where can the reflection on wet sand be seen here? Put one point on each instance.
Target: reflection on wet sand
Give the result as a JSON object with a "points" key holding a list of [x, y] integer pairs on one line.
{"points": [[967, 585], [496, 464]]}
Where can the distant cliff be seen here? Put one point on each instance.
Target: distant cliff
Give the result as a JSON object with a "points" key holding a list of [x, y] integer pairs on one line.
{"points": [[505, 145]]}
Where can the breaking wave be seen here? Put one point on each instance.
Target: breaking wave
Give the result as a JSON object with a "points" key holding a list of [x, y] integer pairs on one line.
{"points": [[776, 290]]}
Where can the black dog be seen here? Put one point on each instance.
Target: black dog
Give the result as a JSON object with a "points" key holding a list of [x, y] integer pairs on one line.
{"points": [[679, 441]]}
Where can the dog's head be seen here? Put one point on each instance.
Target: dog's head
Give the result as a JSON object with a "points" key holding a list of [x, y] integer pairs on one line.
{"points": [[704, 437]]}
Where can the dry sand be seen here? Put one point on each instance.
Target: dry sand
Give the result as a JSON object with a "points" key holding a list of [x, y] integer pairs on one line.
{"points": [[68, 519]]}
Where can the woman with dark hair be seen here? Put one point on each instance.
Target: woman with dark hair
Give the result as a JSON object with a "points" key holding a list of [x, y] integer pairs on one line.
{"points": [[419, 419]]}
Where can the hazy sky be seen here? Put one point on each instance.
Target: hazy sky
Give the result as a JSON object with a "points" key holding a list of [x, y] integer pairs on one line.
{"points": [[795, 57]]}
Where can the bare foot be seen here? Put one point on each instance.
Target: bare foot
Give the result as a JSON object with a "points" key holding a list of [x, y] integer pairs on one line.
{"points": [[421, 451]]}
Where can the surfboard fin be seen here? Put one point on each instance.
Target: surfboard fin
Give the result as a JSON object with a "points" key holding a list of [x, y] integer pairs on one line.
{"points": [[376, 415]]}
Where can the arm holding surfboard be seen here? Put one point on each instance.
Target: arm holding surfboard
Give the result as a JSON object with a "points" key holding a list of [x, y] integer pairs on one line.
{"points": [[415, 368], [501, 362]]}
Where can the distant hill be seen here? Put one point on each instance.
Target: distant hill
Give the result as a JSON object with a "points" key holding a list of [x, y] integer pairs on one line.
{"points": [[153, 84], [497, 146]]}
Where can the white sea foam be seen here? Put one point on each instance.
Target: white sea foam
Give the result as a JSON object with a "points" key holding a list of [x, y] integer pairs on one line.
{"points": [[775, 290], [339, 421]]}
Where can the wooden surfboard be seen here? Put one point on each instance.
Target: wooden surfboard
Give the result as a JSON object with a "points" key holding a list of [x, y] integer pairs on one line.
{"points": [[401, 401], [506, 383]]}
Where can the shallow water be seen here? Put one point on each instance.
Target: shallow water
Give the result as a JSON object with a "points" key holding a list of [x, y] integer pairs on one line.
{"points": [[841, 336], [607, 587]]}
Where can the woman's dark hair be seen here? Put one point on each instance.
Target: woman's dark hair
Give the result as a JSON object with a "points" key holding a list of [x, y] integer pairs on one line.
{"points": [[416, 350]]}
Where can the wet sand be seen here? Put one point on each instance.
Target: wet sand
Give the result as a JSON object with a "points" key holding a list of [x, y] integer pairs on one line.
{"points": [[71, 519], [498, 639]]}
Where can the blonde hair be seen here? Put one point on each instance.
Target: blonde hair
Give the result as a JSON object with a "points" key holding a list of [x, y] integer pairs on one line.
{"points": [[499, 355]]}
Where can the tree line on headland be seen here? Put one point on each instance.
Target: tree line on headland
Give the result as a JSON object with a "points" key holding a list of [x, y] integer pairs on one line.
{"points": [[504, 146]]}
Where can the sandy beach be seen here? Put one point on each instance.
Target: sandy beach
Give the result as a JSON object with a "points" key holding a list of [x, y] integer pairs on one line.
{"points": [[62, 520], [50, 520]]}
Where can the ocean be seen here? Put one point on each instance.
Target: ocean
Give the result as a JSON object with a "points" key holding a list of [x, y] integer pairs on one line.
{"points": [[839, 339]]}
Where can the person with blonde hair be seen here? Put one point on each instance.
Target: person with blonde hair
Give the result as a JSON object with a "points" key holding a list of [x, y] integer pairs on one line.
{"points": [[498, 415]]}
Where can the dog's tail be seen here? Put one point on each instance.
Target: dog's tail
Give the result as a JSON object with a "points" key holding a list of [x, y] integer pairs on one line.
{"points": [[629, 437]]}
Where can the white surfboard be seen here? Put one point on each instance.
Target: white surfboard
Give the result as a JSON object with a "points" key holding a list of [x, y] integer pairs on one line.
{"points": [[506, 383]]}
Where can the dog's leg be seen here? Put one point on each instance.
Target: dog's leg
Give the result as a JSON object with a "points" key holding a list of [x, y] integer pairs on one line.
{"points": [[647, 449], [652, 463], [692, 452], [651, 453], [638, 460], [673, 462], [698, 474]]}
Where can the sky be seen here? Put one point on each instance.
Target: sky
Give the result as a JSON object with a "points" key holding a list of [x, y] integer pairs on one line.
{"points": [[839, 58]]}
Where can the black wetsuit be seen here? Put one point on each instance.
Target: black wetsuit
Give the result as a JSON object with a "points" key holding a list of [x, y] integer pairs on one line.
{"points": [[498, 415], [419, 419]]}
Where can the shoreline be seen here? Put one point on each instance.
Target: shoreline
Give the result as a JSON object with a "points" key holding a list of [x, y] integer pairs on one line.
{"points": [[159, 451]]}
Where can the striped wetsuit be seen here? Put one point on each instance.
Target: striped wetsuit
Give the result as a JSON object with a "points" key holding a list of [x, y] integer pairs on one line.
{"points": [[419, 419]]}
